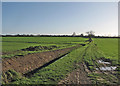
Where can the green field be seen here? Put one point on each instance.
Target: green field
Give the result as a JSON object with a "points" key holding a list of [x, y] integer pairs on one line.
{"points": [[99, 48], [108, 46], [56, 71], [12, 44], [17, 43]]}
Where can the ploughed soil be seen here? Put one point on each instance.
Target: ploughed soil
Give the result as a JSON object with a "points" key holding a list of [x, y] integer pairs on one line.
{"points": [[27, 63], [78, 77]]}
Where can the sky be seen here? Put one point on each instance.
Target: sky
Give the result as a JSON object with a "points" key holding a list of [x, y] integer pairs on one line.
{"points": [[60, 17]]}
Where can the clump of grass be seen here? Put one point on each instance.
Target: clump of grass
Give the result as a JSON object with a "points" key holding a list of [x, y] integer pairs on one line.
{"points": [[10, 76]]}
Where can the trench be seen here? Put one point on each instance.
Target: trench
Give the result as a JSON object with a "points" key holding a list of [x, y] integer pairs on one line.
{"points": [[29, 74]]}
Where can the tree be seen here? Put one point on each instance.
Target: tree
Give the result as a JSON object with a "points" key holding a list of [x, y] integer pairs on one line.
{"points": [[90, 35], [81, 35], [73, 34]]}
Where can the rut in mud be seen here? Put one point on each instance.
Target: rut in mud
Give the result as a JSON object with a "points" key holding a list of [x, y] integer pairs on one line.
{"points": [[78, 76]]}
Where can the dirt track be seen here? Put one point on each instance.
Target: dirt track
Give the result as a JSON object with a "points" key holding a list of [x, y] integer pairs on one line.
{"points": [[77, 77], [24, 64]]}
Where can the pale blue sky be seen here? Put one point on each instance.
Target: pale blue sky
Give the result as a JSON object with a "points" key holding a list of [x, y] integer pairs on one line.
{"points": [[59, 17]]}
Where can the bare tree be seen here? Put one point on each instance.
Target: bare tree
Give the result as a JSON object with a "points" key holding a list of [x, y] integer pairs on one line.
{"points": [[90, 35], [73, 34]]}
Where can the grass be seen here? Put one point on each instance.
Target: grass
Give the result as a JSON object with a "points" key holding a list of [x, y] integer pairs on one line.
{"points": [[45, 40], [17, 43], [12, 45], [22, 53], [108, 46], [53, 73], [10, 75], [56, 71]]}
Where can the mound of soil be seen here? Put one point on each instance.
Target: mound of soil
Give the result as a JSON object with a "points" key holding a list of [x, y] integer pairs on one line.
{"points": [[37, 48], [24, 64]]}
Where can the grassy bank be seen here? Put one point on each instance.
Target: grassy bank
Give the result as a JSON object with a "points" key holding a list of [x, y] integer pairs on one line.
{"points": [[56, 71]]}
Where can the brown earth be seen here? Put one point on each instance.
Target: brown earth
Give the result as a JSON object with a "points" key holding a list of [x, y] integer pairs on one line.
{"points": [[27, 63], [77, 77]]}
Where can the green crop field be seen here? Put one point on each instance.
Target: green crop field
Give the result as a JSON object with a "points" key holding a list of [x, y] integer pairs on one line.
{"points": [[60, 43], [108, 46], [16, 43], [89, 54], [12, 44]]}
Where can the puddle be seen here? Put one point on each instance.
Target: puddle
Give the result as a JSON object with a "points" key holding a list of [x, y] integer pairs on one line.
{"points": [[101, 61], [107, 68]]}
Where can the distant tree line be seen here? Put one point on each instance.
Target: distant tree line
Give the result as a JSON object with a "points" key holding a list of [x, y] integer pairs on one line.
{"points": [[81, 35], [41, 35]]}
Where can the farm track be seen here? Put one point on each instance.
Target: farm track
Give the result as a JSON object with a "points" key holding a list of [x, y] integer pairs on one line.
{"points": [[77, 77], [30, 62]]}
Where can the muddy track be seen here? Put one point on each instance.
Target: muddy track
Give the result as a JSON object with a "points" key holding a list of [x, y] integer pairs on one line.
{"points": [[27, 63], [77, 77]]}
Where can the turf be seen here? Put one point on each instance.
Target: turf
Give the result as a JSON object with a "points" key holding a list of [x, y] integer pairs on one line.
{"points": [[12, 44], [53, 73], [56, 71], [108, 46]]}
